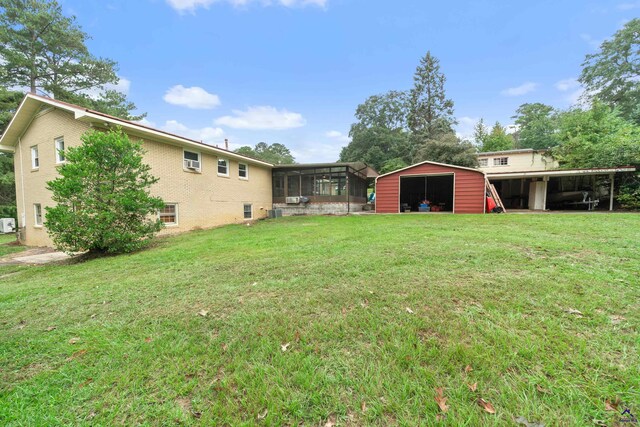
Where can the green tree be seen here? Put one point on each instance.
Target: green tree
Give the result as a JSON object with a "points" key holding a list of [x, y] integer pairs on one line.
{"points": [[447, 148], [44, 50], [497, 140], [538, 126], [598, 137], [7, 187], [430, 111], [102, 196], [393, 165], [108, 101], [9, 103], [277, 154], [612, 75], [480, 133]]}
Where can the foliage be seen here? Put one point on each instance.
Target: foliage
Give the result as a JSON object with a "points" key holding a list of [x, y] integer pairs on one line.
{"points": [[447, 148], [44, 50], [430, 112], [376, 146], [388, 110], [497, 140], [102, 196], [488, 291], [393, 165], [537, 126], [9, 103], [612, 75], [629, 193], [598, 137], [480, 132], [276, 154]]}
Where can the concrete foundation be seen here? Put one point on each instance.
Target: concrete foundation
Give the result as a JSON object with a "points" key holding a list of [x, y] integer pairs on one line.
{"points": [[319, 208]]}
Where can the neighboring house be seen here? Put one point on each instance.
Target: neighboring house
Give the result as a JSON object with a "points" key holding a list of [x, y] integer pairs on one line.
{"points": [[531, 179], [202, 185]]}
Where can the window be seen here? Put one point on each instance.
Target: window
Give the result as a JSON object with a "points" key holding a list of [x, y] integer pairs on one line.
{"points": [[169, 214], [59, 143], [501, 161], [248, 211], [35, 160], [37, 211], [243, 171], [483, 162], [191, 160], [223, 167]]}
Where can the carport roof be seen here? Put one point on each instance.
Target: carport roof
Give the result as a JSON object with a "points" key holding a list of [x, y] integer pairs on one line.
{"points": [[559, 172]]}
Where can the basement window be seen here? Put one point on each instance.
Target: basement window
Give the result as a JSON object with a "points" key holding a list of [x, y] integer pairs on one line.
{"points": [[501, 161], [169, 214], [248, 211]]}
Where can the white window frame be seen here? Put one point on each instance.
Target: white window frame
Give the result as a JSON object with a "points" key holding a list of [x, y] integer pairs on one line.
{"points": [[246, 171], [483, 163], [184, 160], [244, 212], [37, 215], [35, 157], [176, 213], [497, 161], [226, 161], [59, 151]]}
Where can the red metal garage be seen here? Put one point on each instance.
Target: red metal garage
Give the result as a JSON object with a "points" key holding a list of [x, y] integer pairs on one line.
{"points": [[450, 188]]}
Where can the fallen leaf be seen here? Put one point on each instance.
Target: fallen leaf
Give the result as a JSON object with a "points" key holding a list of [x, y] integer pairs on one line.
{"points": [[203, 313], [331, 422], [441, 400], [365, 303], [440, 416], [74, 340], [611, 406], [50, 328], [147, 339], [468, 369], [617, 319], [93, 316], [363, 406], [409, 310], [76, 355], [344, 311], [574, 311], [84, 384], [284, 347], [296, 336], [92, 415], [542, 389], [473, 387], [196, 414], [263, 415], [527, 423], [487, 406], [224, 346]]}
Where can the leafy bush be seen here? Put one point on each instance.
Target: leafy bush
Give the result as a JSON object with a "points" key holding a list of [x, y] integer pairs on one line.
{"points": [[629, 194], [102, 196]]}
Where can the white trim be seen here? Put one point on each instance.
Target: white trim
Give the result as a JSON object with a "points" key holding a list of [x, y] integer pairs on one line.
{"points": [[176, 214], [35, 215], [7, 149], [227, 163], [246, 171], [559, 172], [56, 141], [431, 163], [186, 169], [245, 205], [35, 158]]}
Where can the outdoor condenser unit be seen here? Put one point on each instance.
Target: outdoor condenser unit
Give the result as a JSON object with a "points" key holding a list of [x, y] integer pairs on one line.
{"points": [[7, 225], [293, 200]]}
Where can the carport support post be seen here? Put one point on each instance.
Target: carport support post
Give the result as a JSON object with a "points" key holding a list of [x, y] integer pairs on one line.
{"points": [[544, 200], [611, 177]]}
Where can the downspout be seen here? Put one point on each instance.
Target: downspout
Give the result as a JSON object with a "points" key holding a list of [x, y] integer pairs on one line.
{"points": [[23, 217]]}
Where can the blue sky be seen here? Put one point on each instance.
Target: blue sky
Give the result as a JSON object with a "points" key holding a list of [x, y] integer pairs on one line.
{"points": [[293, 71]]}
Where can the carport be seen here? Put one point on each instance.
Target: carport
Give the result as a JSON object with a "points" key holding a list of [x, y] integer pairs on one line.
{"points": [[437, 189]]}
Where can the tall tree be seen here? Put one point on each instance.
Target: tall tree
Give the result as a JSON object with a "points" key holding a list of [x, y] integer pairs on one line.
{"points": [[612, 75], [43, 50], [431, 112], [497, 140], [538, 126], [277, 154], [9, 102], [447, 148], [480, 133]]}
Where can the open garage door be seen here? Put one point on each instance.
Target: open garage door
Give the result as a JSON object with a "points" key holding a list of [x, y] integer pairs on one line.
{"points": [[437, 189]]}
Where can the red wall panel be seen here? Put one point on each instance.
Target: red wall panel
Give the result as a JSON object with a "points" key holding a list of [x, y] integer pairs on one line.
{"points": [[469, 188]]}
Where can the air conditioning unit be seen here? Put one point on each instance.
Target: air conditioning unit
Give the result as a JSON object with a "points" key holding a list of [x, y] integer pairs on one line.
{"points": [[293, 200], [7, 225], [192, 164]]}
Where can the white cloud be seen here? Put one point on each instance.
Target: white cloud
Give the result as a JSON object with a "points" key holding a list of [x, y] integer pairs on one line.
{"points": [[567, 84], [316, 152], [464, 128], [629, 6], [191, 5], [191, 97], [338, 136], [262, 117], [523, 89], [208, 135]]}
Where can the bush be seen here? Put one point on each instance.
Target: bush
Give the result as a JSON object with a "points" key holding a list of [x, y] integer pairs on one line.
{"points": [[102, 197], [629, 194]]}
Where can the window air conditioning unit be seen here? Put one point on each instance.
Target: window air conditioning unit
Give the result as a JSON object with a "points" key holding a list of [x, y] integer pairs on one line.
{"points": [[192, 164], [293, 200], [7, 225]]}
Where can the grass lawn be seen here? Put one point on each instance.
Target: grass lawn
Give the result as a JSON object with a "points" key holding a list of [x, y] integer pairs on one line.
{"points": [[375, 313], [6, 248]]}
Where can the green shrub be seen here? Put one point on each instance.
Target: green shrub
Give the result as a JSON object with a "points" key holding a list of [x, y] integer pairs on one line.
{"points": [[629, 194], [102, 196]]}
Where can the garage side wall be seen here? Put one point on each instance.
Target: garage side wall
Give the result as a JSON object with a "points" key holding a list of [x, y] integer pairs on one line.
{"points": [[468, 190]]}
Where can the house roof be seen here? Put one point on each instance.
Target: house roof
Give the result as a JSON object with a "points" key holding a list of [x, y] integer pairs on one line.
{"points": [[517, 151], [31, 105], [359, 166], [432, 163]]}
